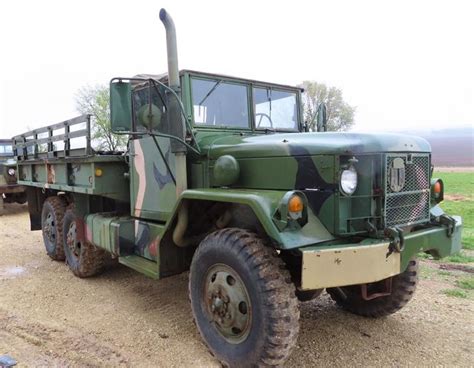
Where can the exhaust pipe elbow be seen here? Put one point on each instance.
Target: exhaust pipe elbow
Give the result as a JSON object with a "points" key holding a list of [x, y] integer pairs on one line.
{"points": [[172, 49]]}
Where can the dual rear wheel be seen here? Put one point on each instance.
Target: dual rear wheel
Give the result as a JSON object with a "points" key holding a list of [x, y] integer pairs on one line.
{"points": [[61, 235]]}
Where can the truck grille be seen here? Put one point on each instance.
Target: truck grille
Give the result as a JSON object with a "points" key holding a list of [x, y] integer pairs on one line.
{"points": [[407, 189]]}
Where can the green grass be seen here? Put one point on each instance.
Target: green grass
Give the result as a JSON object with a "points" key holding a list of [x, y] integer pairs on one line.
{"points": [[461, 186], [423, 255], [466, 283], [457, 293], [459, 258]]}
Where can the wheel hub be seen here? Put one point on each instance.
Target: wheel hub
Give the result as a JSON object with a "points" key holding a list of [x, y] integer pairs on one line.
{"points": [[71, 240], [228, 303], [49, 228]]}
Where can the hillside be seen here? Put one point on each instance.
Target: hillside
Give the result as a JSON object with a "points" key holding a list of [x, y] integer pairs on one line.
{"points": [[451, 147]]}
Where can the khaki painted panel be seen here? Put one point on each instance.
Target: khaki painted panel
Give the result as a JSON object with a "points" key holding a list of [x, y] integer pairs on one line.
{"points": [[331, 267]]}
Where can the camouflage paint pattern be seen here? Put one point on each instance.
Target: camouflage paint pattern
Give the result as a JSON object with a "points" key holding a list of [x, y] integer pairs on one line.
{"points": [[153, 192]]}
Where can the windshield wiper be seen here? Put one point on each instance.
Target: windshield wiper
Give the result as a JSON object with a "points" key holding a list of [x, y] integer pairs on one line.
{"points": [[269, 96], [210, 91]]}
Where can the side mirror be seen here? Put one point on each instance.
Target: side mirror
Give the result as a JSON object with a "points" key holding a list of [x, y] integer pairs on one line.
{"points": [[149, 115], [321, 118], [120, 106]]}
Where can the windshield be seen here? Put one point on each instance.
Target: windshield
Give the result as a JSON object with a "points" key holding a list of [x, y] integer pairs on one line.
{"points": [[6, 149], [274, 109], [218, 103]]}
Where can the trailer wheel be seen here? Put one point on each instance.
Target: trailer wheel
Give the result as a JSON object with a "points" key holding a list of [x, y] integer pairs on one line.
{"points": [[83, 258], [52, 217], [403, 288], [243, 300]]}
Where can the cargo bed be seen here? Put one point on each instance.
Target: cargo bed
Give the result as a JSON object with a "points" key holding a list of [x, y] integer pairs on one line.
{"points": [[79, 170]]}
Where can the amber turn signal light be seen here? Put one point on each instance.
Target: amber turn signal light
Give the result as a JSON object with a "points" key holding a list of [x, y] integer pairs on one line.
{"points": [[295, 204], [437, 190]]}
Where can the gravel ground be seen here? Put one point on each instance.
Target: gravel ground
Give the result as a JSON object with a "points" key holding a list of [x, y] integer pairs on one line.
{"points": [[48, 317]]}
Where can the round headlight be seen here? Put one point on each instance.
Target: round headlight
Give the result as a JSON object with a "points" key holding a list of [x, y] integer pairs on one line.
{"points": [[11, 171], [349, 181]]}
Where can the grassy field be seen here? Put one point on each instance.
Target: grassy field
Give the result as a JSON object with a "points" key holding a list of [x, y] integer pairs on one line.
{"points": [[459, 200], [456, 270]]}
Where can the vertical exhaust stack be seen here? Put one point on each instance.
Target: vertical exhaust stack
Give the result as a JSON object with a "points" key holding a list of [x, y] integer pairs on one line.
{"points": [[172, 49], [177, 127]]}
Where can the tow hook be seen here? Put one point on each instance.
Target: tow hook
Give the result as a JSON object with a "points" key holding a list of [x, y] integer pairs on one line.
{"points": [[397, 242], [449, 222], [386, 290]]}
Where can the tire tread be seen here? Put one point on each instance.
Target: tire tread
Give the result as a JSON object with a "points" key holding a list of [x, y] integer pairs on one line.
{"points": [[272, 278], [403, 288]]}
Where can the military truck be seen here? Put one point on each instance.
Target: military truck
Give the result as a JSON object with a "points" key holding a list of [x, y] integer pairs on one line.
{"points": [[222, 178], [10, 191]]}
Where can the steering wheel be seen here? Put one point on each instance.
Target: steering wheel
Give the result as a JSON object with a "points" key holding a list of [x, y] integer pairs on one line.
{"points": [[263, 115]]}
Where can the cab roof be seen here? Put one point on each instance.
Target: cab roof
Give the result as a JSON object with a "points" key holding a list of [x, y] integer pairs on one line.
{"points": [[164, 78]]}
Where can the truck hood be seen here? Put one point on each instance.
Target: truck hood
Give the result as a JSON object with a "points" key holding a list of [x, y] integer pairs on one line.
{"points": [[303, 144]]}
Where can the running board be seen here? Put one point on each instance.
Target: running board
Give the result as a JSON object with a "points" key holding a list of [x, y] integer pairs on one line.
{"points": [[142, 265]]}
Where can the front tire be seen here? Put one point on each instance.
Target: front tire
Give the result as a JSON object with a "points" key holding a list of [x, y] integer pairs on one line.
{"points": [[403, 288], [243, 300], [83, 258], [52, 216], [307, 295]]}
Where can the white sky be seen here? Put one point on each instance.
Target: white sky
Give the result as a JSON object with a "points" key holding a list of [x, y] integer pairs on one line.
{"points": [[404, 64]]}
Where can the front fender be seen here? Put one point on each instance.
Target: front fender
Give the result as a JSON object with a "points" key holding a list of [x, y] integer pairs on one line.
{"points": [[264, 204]]}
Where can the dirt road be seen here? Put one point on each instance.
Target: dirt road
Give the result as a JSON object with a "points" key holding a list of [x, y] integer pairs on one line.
{"points": [[48, 317]]}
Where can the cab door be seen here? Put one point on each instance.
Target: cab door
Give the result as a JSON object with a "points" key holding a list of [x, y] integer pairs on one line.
{"points": [[153, 187]]}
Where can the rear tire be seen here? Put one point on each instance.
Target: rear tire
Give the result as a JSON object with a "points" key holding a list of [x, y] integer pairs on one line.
{"points": [[243, 300], [52, 217], [83, 258], [403, 288]]}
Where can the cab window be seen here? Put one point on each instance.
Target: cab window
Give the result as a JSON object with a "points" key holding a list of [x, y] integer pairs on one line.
{"points": [[220, 104], [275, 109], [6, 149]]}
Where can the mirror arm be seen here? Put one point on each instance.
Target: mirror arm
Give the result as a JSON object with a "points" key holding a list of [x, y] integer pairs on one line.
{"points": [[164, 159], [163, 135], [188, 123], [168, 89]]}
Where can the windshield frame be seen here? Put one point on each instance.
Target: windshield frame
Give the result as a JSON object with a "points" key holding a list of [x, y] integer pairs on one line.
{"points": [[188, 75], [218, 81], [279, 89]]}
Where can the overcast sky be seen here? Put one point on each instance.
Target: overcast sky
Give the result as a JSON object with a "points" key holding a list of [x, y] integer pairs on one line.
{"points": [[403, 64]]}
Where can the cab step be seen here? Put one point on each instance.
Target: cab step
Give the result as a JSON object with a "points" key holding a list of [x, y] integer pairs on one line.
{"points": [[142, 265]]}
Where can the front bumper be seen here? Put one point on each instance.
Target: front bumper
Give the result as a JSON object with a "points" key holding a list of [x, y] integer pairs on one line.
{"points": [[373, 260]]}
